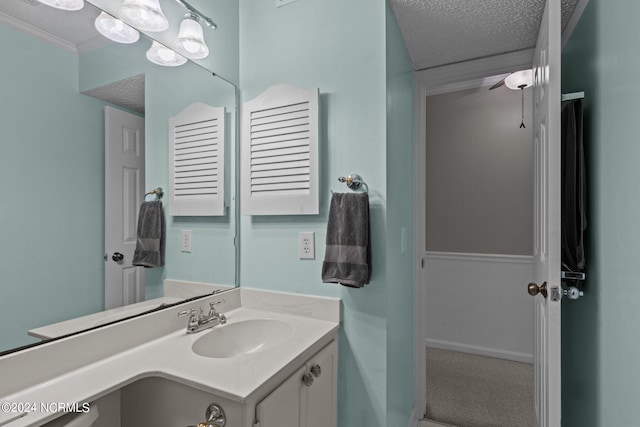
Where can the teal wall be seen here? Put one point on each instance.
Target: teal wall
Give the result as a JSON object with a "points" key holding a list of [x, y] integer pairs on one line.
{"points": [[601, 377], [52, 203], [339, 47], [168, 90], [400, 295]]}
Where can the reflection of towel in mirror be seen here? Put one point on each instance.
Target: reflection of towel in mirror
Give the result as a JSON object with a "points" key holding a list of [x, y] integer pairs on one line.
{"points": [[347, 258], [151, 230]]}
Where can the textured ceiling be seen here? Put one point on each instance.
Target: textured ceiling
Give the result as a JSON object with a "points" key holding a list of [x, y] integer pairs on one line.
{"points": [[127, 93], [440, 32]]}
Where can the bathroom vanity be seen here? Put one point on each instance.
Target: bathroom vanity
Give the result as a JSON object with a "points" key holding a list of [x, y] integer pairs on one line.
{"points": [[273, 363]]}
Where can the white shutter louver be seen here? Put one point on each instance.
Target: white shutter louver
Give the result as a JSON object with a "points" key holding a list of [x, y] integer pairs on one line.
{"points": [[196, 161], [280, 152]]}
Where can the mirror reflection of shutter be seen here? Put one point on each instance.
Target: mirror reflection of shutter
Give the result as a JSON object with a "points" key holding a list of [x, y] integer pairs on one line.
{"points": [[196, 161], [279, 148]]}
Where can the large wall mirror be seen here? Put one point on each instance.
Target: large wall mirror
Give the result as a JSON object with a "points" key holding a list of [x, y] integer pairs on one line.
{"points": [[57, 76]]}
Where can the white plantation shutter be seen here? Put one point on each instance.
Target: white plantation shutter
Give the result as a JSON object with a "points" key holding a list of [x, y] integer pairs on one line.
{"points": [[196, 161], [280, 152]]}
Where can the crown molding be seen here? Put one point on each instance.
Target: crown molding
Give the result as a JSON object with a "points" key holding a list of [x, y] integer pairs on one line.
{"points": [[36, 32]]}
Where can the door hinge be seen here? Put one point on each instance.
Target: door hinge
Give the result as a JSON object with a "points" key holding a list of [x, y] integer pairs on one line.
{"points": [[421, 262]]}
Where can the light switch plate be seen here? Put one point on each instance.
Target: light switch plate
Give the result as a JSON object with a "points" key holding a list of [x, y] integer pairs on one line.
{"points": [[185, 241], [404, 240]]}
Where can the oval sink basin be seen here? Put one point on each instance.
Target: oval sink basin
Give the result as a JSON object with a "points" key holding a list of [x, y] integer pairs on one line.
{"points": [[245, 337]]}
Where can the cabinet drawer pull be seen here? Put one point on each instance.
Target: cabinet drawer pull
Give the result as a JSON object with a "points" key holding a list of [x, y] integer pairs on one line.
{"points": [[307, 379], [316, 370]]}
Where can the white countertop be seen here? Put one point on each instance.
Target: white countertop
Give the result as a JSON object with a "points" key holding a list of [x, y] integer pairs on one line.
{"points": [[97, 319], [170, 356]]}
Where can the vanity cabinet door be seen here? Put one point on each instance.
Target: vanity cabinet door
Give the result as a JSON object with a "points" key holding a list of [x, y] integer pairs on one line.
{"points": [[321, 398], [308, 398], [282, 408]]}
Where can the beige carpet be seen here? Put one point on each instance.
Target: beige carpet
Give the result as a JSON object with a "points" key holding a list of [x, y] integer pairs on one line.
{"points": [[466, 390]]}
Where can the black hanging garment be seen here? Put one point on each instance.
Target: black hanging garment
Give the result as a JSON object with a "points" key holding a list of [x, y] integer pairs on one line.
{"points": [[574, 189]]}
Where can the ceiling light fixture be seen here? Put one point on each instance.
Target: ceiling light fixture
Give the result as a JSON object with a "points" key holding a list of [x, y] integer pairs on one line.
{"points": [[145, 15], [190, 42], [162, 55], [64, 4], [520, 80], [116, 30]]}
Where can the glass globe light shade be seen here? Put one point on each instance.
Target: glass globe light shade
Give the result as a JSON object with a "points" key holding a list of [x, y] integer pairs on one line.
{"points": [[116, 30], [144, 15], [519, 79], [161, 55], [190, 42], [64, 4]]}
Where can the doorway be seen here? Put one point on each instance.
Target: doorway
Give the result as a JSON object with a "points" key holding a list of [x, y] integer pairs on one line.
{"points": [[124, 142], [478, 235], [463, 281]]}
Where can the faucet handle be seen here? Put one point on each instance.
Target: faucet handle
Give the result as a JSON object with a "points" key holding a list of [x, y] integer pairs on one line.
{"points": [[222, 319], [212, 306], [186, 312]]}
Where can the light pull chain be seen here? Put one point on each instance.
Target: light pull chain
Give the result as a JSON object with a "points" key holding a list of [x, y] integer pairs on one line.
{"points": [[522, 124]]}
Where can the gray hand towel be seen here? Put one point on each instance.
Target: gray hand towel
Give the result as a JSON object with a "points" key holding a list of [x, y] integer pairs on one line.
{"points": [[347, 258], [151, 235]]}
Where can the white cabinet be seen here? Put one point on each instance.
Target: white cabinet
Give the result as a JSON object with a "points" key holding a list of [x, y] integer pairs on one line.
{"points": [[308, 398], [279, 152]]}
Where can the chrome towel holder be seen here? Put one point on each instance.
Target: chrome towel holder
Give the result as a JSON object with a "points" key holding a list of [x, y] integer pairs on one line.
{"points": [[354, 182], [158, 192]]}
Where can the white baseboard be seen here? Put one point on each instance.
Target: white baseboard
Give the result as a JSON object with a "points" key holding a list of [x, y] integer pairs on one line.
{"points": [[480, 351], [429, 423]]}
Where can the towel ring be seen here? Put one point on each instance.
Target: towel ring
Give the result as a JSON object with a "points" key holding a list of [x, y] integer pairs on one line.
{"points": [[158, 192], [354, 182]]}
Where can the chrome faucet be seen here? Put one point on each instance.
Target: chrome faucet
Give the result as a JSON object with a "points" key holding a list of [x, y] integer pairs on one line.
{"points": [[203, 321]]}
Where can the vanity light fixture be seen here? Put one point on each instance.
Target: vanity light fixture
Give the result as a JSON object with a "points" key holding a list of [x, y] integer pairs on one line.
{"points": [[208, 21], [520, 80], [190, 42], [64, 4], [145, 15], [116, 30], [161, 55]]}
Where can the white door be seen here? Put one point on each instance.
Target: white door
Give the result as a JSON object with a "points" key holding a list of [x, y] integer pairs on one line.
{"points": [[124, 192], [546, 135]]}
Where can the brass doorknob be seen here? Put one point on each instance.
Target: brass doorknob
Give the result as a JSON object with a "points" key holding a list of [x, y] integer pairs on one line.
{"points": [[534, 289]]}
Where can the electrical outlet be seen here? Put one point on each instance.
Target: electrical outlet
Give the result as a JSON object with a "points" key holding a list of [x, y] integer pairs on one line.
{"points": [[185, 241], [306, 245]]}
